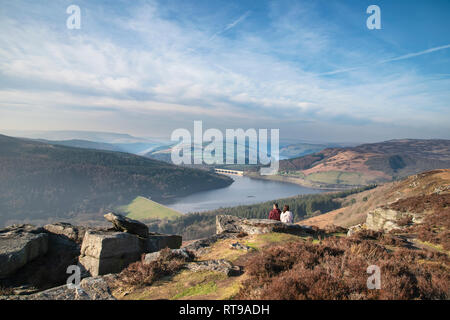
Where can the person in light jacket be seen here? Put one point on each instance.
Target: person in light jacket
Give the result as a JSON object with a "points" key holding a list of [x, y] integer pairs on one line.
{"points": [[287, 216]]}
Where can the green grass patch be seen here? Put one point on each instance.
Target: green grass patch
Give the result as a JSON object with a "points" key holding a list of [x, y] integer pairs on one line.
{"points": [[293, 173], [337, 177], [269, 238], [197, 290], [145, 209]]}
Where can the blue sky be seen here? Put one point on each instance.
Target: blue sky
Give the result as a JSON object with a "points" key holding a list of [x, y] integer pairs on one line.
{"points": [[310, 68]]}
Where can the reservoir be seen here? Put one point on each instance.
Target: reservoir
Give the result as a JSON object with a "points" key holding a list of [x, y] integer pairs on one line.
{"points": [[242, 191]]}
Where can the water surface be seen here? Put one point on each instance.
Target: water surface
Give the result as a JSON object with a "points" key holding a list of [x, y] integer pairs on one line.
{"points": [[242, 191]]}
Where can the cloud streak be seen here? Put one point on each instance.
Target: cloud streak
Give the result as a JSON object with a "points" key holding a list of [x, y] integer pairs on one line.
{"points": [[230, 25], [402, 57]]}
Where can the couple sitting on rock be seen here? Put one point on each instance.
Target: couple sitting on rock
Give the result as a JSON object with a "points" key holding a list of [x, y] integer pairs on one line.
{"points": [[286, 216]]}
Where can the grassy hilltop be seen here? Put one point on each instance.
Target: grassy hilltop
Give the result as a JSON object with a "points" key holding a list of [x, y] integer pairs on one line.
{"points": [[144, 209]]}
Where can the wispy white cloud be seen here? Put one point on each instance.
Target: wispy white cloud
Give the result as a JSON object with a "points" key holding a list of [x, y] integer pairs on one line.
{"points": [[150, 81]]}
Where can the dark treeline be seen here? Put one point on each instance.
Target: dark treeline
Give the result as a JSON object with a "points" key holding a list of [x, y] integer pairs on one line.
{"points": [[202, 224]]}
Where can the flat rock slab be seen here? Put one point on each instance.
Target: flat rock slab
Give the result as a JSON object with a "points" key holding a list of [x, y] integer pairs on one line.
{"points": [[125, 224], [156, 242], [93, 288], [66, 230], [20, 245], [232, 224]]}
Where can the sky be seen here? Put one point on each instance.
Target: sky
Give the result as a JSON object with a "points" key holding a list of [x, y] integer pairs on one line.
{"points": [[312, 68]]}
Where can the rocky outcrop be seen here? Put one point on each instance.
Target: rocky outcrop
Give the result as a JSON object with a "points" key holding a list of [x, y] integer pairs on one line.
{"points": [[93, 288], [232, 224], [20, 245], [104, 252], [33, 259], [386, 219], [125, 224]]}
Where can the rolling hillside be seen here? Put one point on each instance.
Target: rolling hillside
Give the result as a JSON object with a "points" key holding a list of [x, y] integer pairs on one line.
{"points": [[356, 206], [39, 181], [367, 163], [83, 144]]}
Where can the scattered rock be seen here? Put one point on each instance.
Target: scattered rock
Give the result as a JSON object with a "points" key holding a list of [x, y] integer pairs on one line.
{"points": [[182, 253], [354, 229], [19, 245], [25, 289], [108, 252], [441, 189], [125, 224], [240, 246], [220, 265], [197, 247]]}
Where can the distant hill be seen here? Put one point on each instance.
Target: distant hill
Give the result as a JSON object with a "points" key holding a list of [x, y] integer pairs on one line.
{"points": [[96, 136], [84, 144], [92, 140], [300, 149], [44, 181], [143, 209], [367, 163], [134, 147], [163, 153]]}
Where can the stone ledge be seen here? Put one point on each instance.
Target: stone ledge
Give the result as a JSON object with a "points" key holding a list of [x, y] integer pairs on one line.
{"points": [[232, 224], [93, 288], [20, 245]]}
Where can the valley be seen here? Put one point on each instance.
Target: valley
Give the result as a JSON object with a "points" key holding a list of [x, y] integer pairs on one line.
{"points": [[41, 182]]}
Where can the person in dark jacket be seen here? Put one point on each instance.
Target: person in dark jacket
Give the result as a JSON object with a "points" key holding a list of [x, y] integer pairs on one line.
{"points": [[275, 213]]}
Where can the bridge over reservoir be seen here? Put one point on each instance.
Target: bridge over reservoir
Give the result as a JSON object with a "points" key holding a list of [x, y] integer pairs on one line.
{"points": [[227, 171]]}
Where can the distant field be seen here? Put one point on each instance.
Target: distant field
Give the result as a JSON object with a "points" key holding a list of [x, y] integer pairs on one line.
{"points": [[337, 177], [142, 209]]}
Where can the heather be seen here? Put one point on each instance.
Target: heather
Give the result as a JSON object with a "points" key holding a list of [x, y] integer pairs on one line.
{"points": [[336, 268]]}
